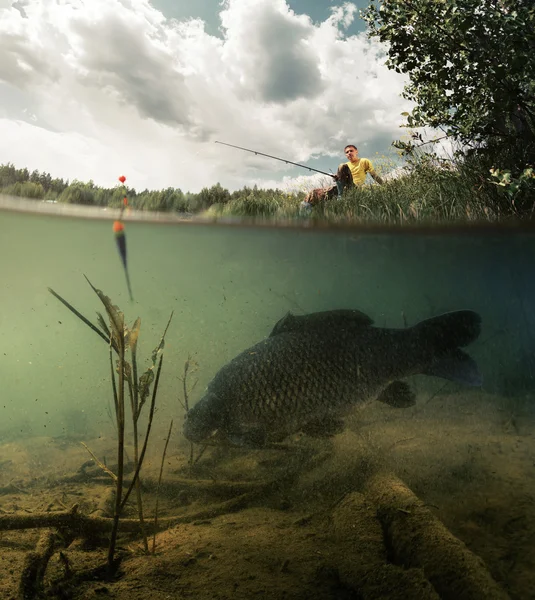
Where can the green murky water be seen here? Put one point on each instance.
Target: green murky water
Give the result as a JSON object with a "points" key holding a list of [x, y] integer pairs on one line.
{"points": [[227, 286]]}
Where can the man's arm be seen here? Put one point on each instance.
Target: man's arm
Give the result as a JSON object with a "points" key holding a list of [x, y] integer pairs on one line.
{"points": [[377, 177], [369, 169]]}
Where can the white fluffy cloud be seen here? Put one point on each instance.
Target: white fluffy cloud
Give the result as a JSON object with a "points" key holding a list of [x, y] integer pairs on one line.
{"points": [[93, 89]]}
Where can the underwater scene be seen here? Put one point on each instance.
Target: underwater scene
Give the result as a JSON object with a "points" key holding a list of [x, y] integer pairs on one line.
{"points": [[292, 412]]}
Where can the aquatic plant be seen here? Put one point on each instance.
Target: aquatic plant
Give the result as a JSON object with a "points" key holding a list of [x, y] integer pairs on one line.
{"points": [[158, 487], [124, 380], [190, 367]]}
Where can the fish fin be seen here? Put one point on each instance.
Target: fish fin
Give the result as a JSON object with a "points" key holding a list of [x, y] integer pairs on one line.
{"points": [[349, 316], [398, 395], [282, 325], [346, 318], [450, 330], [456, 366], [324, 427]]}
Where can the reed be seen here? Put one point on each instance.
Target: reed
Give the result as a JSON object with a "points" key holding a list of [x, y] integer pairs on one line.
{"points": [[122, 342]]}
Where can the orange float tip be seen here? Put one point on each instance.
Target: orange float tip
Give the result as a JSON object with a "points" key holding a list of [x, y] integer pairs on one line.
{"points": [[118, 227]]}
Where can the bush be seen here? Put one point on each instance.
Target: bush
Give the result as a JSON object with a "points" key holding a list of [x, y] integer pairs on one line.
{"points": [[77, 194], [26, 190]]}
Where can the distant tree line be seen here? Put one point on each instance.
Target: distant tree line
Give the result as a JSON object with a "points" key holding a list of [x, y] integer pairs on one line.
{"points": [[41, 186]]}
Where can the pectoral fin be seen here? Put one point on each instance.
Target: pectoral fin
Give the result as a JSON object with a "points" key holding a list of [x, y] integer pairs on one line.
{"points": [[398, 395]]}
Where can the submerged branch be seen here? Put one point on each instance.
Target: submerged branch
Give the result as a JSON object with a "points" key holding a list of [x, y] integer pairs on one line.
{"points": [[35, 563], [80, 525], [99, 463]]}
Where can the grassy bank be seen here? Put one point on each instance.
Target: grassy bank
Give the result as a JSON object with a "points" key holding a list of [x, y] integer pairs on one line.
{"points": [[425, 190], [422, 193]]}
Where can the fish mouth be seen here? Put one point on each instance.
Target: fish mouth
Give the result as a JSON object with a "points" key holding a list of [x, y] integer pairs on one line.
{"points": [[203, 421], [197, 432]]}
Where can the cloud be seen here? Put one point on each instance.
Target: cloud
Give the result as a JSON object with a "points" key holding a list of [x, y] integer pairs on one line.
{"points": [[22, 63], [125, 86], [273, 59], [128, 58]]}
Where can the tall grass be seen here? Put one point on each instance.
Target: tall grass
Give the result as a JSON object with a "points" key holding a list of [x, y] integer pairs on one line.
{"points": [[426, 190], [276, 204], [426, 193]]}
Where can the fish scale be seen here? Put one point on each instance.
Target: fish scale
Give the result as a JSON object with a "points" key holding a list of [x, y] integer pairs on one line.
{"points": [[315, 368], [288, 377]]}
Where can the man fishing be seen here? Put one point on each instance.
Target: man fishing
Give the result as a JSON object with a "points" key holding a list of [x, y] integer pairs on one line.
{"points": [[349, 174], [358, 167]]}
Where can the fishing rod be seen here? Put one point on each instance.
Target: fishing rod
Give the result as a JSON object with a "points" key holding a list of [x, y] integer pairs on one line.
{"points": [[288, 162]]}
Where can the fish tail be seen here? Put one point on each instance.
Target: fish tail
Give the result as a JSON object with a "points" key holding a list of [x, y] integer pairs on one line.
{"points": [[443, 337], [450, 330]]}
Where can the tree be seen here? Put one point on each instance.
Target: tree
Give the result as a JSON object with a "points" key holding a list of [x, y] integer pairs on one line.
{"points": [[10, 175], [77, 193], [27, 189], [208, 196], [471, 67]]}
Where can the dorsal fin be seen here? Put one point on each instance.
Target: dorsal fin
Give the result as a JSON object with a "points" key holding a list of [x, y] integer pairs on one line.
{"points": [[341, 318]]}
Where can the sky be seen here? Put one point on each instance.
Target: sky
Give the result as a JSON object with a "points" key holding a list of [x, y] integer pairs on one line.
{"points": [[92, 89]]}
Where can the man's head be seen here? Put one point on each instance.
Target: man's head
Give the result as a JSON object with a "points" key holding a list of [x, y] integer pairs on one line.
{"points": [[351, 152]]}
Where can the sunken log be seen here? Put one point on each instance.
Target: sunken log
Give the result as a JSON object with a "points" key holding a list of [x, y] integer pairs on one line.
{"points": [[364, 566], [418, 539]]}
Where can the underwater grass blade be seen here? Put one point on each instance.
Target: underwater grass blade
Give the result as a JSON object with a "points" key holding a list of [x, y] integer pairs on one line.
{"points": [[132, 339], [103, 324], [147, 433], [115, 315], [79, 315], [161, 345], [131, 342], [145, 382], [185, 404], [148, 377], [189, 363], [120, 456], [158, 488], [133, 334], [114, 387]]}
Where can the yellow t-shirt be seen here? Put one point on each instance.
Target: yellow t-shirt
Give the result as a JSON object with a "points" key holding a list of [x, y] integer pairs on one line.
{"points": [[359, 170]]}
